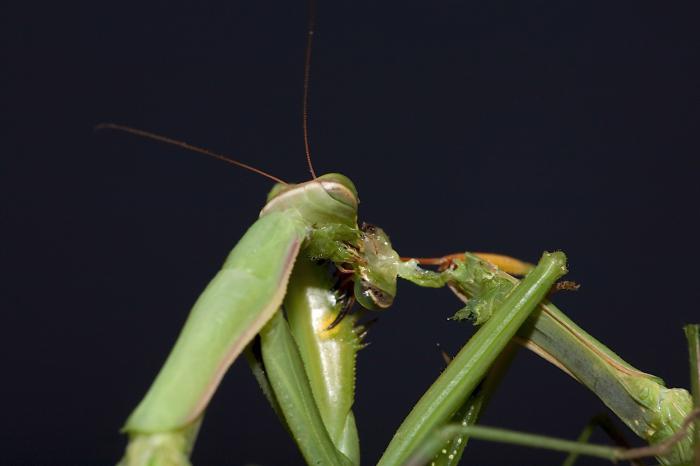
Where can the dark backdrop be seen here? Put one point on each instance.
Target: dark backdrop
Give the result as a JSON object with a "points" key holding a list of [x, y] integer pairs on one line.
{"points": [[513, 127]]}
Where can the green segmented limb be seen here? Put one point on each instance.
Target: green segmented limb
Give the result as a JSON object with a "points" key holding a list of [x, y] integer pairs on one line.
{"points": [[328, 353], [229, 313], [232, 309], [328, 356], [640, 400], [287, 375], [470, 365]]}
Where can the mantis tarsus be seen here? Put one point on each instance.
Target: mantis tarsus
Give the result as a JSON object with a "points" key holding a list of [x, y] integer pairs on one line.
{"points": [[320, 217]]}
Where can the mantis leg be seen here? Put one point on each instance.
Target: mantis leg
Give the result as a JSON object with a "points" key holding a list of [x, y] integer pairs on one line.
{"points": [[233, 308], [307, 370], [285, 371], [329, 354]]}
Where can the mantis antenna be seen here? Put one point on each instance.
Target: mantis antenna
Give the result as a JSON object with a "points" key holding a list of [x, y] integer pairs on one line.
{"points": [[190, 147], [307, 73], [305, 117]]}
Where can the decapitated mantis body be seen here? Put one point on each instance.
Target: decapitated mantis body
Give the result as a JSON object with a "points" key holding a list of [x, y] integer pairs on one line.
{"points": [[282, 297]]}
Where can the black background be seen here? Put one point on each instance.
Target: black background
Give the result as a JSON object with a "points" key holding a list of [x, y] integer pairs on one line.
{"points": [[512, 127]]}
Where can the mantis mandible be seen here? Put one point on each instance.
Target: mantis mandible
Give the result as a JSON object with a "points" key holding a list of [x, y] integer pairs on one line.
{"points": [[304, 358]]}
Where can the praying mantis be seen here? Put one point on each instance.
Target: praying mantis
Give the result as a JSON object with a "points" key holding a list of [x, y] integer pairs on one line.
{"points": [[307, 364], [306, 229]]}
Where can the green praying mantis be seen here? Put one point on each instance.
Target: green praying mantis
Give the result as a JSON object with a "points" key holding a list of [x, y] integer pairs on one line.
{"points": [[282, 300]]}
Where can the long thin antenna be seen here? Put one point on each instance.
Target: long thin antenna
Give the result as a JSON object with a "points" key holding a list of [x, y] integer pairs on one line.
{"points": [[307, 73], [184, 145]]}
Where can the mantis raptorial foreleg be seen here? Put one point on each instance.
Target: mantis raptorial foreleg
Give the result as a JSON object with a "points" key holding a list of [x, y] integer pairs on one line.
{"points": [[236, 304], [307, 371], [328, 354], [285, 370]]}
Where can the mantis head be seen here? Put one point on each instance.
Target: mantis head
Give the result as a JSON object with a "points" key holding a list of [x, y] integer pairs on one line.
{"points": [[375, 274], [328, 199], [328, 206]]}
